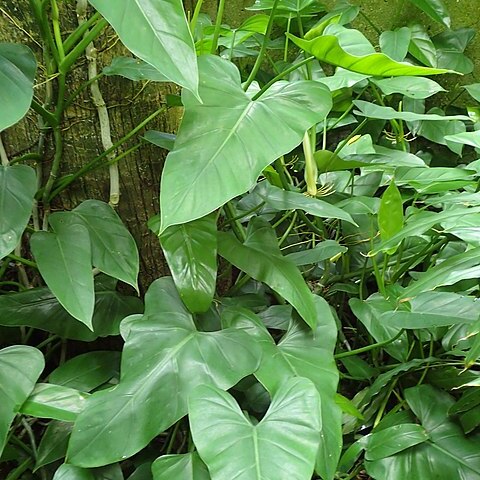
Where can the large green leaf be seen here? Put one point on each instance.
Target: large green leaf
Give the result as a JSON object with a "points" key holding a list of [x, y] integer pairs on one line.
{"points": [[435, 9], [70, 472], [165, 357], [390, 213], [180, 467], [53, 445], [307, 354], [17, 190], [394, 43], [371, 110], [327, 49], [287, 200], [191, 253], [321, 252], [225, 142], [64, 260], [87, 371], [392, 440], [133, 69], [20, 367], [114, 251], [54, 401], [283, 445], [260, 257], [303, 7], [369, 312], [412, 87], [157, 32], [434, 309], [38, 308], [459, 267], [448, 454], [419, 223], [466, 138], [17, 74]]}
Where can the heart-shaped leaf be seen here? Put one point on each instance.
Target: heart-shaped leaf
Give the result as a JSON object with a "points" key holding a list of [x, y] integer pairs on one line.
{"points": [[165, 357], [17, 190], [283, 445], [230, 133], [191, 253], [20, 367], [64, 260], [157, 32], [17, 74], [70, 472], [133, 69], [306, 354], [260, 257]]}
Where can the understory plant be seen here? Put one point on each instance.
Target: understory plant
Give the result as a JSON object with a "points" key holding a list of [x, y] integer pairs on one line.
{"points": [[320, 217]]}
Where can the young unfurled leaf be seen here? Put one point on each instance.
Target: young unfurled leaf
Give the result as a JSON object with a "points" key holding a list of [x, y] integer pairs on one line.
{"points": [[390, 214]]}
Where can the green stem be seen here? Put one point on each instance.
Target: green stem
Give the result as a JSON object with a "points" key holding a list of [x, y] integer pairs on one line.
{"points": [[237, 227], [218, 26], [20, 470], [196, 13], [259, 60], [71, 58], [57, 34], [79, 32], [18, 259], [49, 117], [357, 351]]}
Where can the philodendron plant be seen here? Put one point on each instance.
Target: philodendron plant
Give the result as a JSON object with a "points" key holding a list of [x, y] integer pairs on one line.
{"points": [[344, 205]]}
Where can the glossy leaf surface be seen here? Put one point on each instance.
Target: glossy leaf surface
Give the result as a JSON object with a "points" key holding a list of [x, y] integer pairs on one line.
{"points": [[53, 445], [260, 257], [165, 357], [412, 87], [390, 214], [283, 444], [54, 401], [327, 49], [114, 251], [158, 33], [17, 74], [372, 110], [191, 253], [459, 267], [287, 200], [38, 308], [394, 439], [435, 9], [18, 185], [418, 224], [133, 69], [87, 371], [23, 364], [180, 467], [230, 133], [448, 453], [64, 260]]}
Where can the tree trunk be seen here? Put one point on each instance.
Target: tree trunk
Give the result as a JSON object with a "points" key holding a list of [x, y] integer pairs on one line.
{"points": [[128, 104]]}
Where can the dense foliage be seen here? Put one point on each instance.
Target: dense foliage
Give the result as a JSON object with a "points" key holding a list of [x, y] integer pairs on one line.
{"points": [[340, 336]]}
